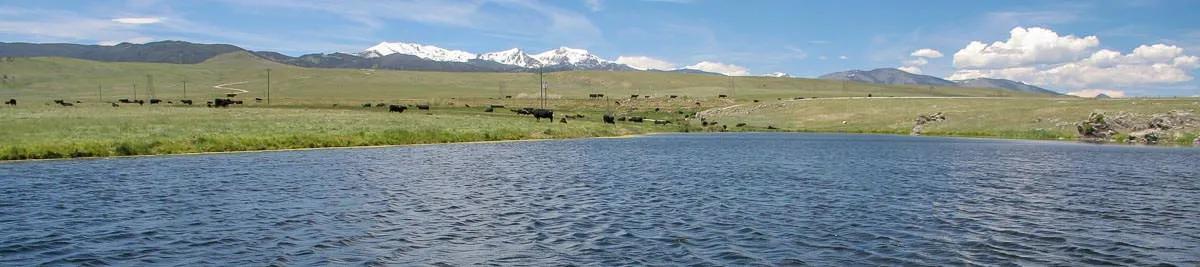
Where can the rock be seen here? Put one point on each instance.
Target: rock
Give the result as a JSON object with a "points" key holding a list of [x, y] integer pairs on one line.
{"points": [[1147, 136], [1196, 142], [919, 126], [1095, 128]]}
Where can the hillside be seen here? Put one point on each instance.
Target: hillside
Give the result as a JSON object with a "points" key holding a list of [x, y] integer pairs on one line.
{"points": [[899, 77], [161, 52], [58, 78]]}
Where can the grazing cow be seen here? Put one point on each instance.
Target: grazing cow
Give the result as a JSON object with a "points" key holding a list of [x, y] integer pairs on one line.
{"points": [[222, 102], [379, 105], [78, 102], [186, 101], [239, 102], [741, 124], [169, 102], [155, 101], [869, 95], [646, 96], [60, 102], [496, 106], [423, 106], [673, 96], [230, 95], [697, 104], [257, 99], [210, 104], [140, 102], [467, 105], [367, 105], [488, 109], [799, 98], [115, 105], [633, 96], [655, 109], [722, 96], [756, 101], [608, 118], [622, 119], [636, 119], [508, 96], [543, 113], [397, 108], [771, 127], [662, 122], [66, 104], [124, 100], [11, 102]]}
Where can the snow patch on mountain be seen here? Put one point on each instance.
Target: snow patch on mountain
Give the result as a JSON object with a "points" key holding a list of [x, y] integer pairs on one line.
{"points": [[569, 56], [515, 57], [422, 51]]}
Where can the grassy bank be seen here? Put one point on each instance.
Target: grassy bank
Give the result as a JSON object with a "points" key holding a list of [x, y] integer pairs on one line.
{"points": [[41, 132], [1015, 118]]}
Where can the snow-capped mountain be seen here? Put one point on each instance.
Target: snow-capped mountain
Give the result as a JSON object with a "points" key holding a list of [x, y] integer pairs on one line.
{"points": [[778, 75], [422, 51], [569, 56], [515, 57]]}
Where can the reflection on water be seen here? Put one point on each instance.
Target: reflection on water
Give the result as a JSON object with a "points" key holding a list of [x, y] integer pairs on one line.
{"points": [[718, 199]]}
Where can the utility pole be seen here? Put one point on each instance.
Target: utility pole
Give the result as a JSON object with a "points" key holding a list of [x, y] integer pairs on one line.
{"points": [[100, 90], [135, 91], [150, 86], [184, 89], [268, 87], [542, 87]]}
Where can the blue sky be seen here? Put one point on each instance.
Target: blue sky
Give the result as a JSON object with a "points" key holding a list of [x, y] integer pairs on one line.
{"points": [[1082, 47]]}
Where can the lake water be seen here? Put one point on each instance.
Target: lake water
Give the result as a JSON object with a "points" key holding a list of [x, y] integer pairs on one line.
{"points": [[705, 199]]}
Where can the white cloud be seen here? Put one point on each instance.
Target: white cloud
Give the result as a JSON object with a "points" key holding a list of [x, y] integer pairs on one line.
{"points": [[1042, 57], [138, 21], [843, 57], [645, 63], [1025, 47], [722, 68], [1096, 92], [1147, 65], [927, 53], [910, 69]]}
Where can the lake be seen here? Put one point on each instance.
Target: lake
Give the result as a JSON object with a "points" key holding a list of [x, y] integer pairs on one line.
{"points": [[702, 199]]}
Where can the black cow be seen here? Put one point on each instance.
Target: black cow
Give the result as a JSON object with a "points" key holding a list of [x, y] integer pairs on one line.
{"points": [[379, 105], [869, 95], [397, 108], [423, 106], [222, 102], [155, 101], [115, 105], [367, 105], [622, 118], [11, 102], [741, 124], [655, 109], [60, 102], [140, 102], [756, 101], [488, 109], [66, 104], [722, 96], [662, 122], [543, 113], [771, 127], [496, 106], [124, 100], [186, 101], [633, 96], [608, 118], [257, 99], [508, 96], [673, 96], [230, 95], [636, 119]]}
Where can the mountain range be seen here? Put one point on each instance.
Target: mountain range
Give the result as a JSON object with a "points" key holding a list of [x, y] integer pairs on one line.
{"points": [[896, 76], [410, 56]]}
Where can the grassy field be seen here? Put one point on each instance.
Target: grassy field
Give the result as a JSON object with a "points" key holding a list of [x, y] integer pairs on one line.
{"points": [[43, 79], [322, 107], [89, 130], [1023, 118]]}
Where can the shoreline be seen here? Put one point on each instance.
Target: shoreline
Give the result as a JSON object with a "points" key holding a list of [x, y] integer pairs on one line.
{"points": [[1076, 141]]}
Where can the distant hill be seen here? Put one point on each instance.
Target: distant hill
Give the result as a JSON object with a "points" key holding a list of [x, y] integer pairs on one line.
{"points": [[886, 76], [899, 77], [1004, 84], [155, 52]]}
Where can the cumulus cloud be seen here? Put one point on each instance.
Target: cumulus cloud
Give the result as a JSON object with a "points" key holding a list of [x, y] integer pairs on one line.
{"points": [[138, 21], [910, 69], [1096, 92], [1041, 57], [645, 63], [927, 53], [1025, 47], [722, 68]]}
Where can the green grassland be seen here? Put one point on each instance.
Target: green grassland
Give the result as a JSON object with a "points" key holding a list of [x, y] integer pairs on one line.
{"points": [[1023, 118], [322, 107]]}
